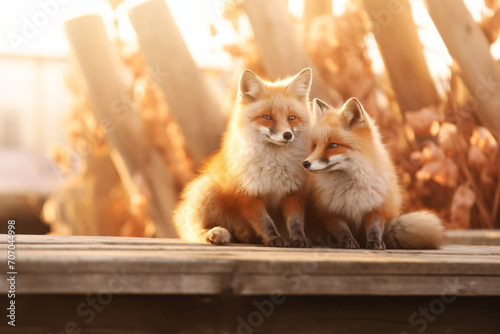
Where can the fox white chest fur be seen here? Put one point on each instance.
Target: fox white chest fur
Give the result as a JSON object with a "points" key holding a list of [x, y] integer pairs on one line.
{"points": [[273, 171], [355, 181], [352, 194]]}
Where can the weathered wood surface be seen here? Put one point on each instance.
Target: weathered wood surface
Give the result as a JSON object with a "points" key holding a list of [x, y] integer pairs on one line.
{"points": [[473, 237], [72, 265]]}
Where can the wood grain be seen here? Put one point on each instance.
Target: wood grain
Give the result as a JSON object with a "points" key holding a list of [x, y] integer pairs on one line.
{"points": [[473, 237], [69, 265]]}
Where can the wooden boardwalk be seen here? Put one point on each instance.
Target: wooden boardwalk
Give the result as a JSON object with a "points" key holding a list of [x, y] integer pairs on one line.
{"points": [[180, 276], [65, 264]]}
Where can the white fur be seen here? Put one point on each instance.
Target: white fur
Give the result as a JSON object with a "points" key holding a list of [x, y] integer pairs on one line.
{"points": [[273, 170], [414, 230], [255, 161], [218, 236], [353, 184], [267, 167], [317, 165], [278, 139], [353, 188]]}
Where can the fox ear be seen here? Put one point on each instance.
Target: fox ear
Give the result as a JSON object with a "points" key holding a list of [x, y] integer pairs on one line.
{"points": [[353, 113], [319, 108], [251, 87], [300, 84]]}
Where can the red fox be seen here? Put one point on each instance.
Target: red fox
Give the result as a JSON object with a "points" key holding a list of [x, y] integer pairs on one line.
{"points": [[256, 179], [354, 193]]}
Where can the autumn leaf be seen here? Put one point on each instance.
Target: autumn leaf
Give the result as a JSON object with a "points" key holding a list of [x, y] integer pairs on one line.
{"points": [[462, 202]]}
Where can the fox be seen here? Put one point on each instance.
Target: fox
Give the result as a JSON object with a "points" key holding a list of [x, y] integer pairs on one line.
{"points": [[354, 194], [253, 189]]}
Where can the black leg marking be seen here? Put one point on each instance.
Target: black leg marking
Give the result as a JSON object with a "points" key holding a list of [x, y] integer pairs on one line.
{"points": [[296, 230], [374, 236], [345, 236], [274, 239]]}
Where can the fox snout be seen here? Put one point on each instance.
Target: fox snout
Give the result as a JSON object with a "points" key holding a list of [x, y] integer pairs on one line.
{"points": [[281, 137], [318, 164]]}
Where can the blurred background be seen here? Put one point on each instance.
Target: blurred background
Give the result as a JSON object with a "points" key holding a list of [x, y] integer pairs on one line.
{"points": [[108, 107]]}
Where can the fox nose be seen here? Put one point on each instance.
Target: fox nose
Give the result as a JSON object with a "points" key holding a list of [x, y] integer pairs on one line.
{"points": [[287, 135], [306, 164]]}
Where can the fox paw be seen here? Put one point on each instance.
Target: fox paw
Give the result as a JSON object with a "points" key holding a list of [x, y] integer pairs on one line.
{"points": [[375, 244], [218, 236], [277, 242], [349, 244], [300, 242]]}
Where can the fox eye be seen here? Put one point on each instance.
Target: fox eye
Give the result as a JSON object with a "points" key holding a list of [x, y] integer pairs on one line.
{"points": [[291, 118], [269, 118], [333, 145], [314, 146]]}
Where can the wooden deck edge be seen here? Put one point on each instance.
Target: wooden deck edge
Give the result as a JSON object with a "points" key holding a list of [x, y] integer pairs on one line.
{"points": [[246, 285], [111, 265], [473, 237]]}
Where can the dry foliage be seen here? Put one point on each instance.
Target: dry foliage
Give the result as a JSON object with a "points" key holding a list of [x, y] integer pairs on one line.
{"points": [[93, 199], [447, 160]]}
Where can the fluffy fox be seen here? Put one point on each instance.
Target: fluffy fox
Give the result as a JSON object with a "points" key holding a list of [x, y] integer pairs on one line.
{"points": [[354, 192], [256, 179]]}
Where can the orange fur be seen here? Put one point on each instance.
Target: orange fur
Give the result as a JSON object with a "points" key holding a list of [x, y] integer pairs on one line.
{"points": [[252, 189], [354, 193]]}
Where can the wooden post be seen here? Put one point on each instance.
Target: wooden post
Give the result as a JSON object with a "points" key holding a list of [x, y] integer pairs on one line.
{"points": [[399, 44], [194, 107], [470, 49], [281, 51], [110, 96]]}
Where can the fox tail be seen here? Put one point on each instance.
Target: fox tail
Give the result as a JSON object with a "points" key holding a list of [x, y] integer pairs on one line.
{"points": [[415, 230]]}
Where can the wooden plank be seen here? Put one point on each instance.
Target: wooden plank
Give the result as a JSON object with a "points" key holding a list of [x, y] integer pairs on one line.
{"points": [[379, 285], [257, 252], [244, 284], [473, 237], [64, 264], [48, 242], [453, 237], [241, 315]]}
